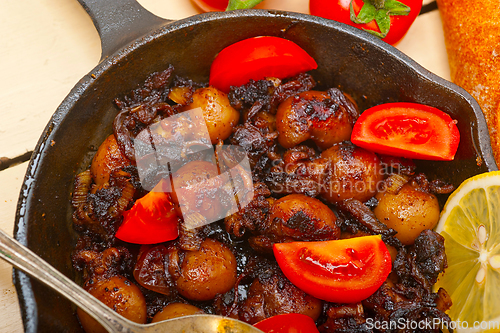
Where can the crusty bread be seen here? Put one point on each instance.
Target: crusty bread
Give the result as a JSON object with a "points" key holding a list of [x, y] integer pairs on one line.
{"points": [[472, 36]]}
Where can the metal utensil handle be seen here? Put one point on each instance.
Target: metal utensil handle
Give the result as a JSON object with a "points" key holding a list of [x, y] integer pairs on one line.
{"points": [[24, 259]]}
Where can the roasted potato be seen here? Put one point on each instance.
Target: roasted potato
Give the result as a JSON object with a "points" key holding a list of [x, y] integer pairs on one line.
{"points": [[305, 218], [174, 310], [409, 212], [312, 115], [207, 272], [274, 295], [107, 159], [197, 188], [219, 115], [119, 294], [354, 173]]}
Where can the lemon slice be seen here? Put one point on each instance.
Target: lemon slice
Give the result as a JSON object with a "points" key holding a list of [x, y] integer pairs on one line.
{"points": [[470, 224]]}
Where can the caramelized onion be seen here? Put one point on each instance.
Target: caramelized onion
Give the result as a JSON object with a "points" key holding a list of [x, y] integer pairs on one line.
{"points": [[150, 270], [82, 187], [128, 192]]}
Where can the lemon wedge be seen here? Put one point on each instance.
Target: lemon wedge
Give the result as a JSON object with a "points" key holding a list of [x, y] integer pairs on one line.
{"points": [[470, 224]]}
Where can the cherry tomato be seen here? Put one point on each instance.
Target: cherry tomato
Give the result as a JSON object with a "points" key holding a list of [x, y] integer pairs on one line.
{"points": [[408, 130], [287, 323], [151, 220], [222, 5], [212, 5], [257, 58], [390, 28], [340, 271]]}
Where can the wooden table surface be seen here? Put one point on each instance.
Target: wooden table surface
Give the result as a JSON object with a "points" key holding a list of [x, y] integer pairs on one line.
{"points": [[48, 45]]}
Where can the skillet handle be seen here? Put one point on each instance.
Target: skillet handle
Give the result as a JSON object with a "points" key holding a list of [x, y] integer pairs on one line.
{"points": [[120, 22]]}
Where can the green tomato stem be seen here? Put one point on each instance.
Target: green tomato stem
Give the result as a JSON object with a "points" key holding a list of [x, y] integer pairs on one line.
{"points": [[379, 4], [242, 4], [381, 15]]}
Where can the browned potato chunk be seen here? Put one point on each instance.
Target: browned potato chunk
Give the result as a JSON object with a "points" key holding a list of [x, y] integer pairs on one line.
{"points": [[207, 272], [107, 159], [119, 294], [312, 115], [409, 212], [354, 173], [174, 310], [273, 295], [196, 189], [305, 218], [219, 115]]}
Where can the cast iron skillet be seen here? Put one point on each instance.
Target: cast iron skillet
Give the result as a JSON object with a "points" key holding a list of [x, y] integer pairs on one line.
{"points": [[137, 43]]}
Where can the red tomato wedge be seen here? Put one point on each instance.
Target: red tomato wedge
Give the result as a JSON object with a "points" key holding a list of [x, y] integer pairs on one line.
{"points": [[222, 5], [212, 5], [257, 58], [151, 220], [408, 130], [340, 271], [288, 323]]}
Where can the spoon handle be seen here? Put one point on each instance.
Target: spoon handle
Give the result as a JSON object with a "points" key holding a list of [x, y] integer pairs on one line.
{"points": [[24, 259]]}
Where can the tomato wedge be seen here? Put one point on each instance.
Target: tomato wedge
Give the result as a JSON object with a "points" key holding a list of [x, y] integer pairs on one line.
{"points": [[408, 130], [222, 5], [212, 5], [288, 323], [340, 271], [151, 220], [257, 58]]}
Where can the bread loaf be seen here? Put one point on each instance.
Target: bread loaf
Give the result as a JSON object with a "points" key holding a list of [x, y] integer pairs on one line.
{"points": [[472, 37]]}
